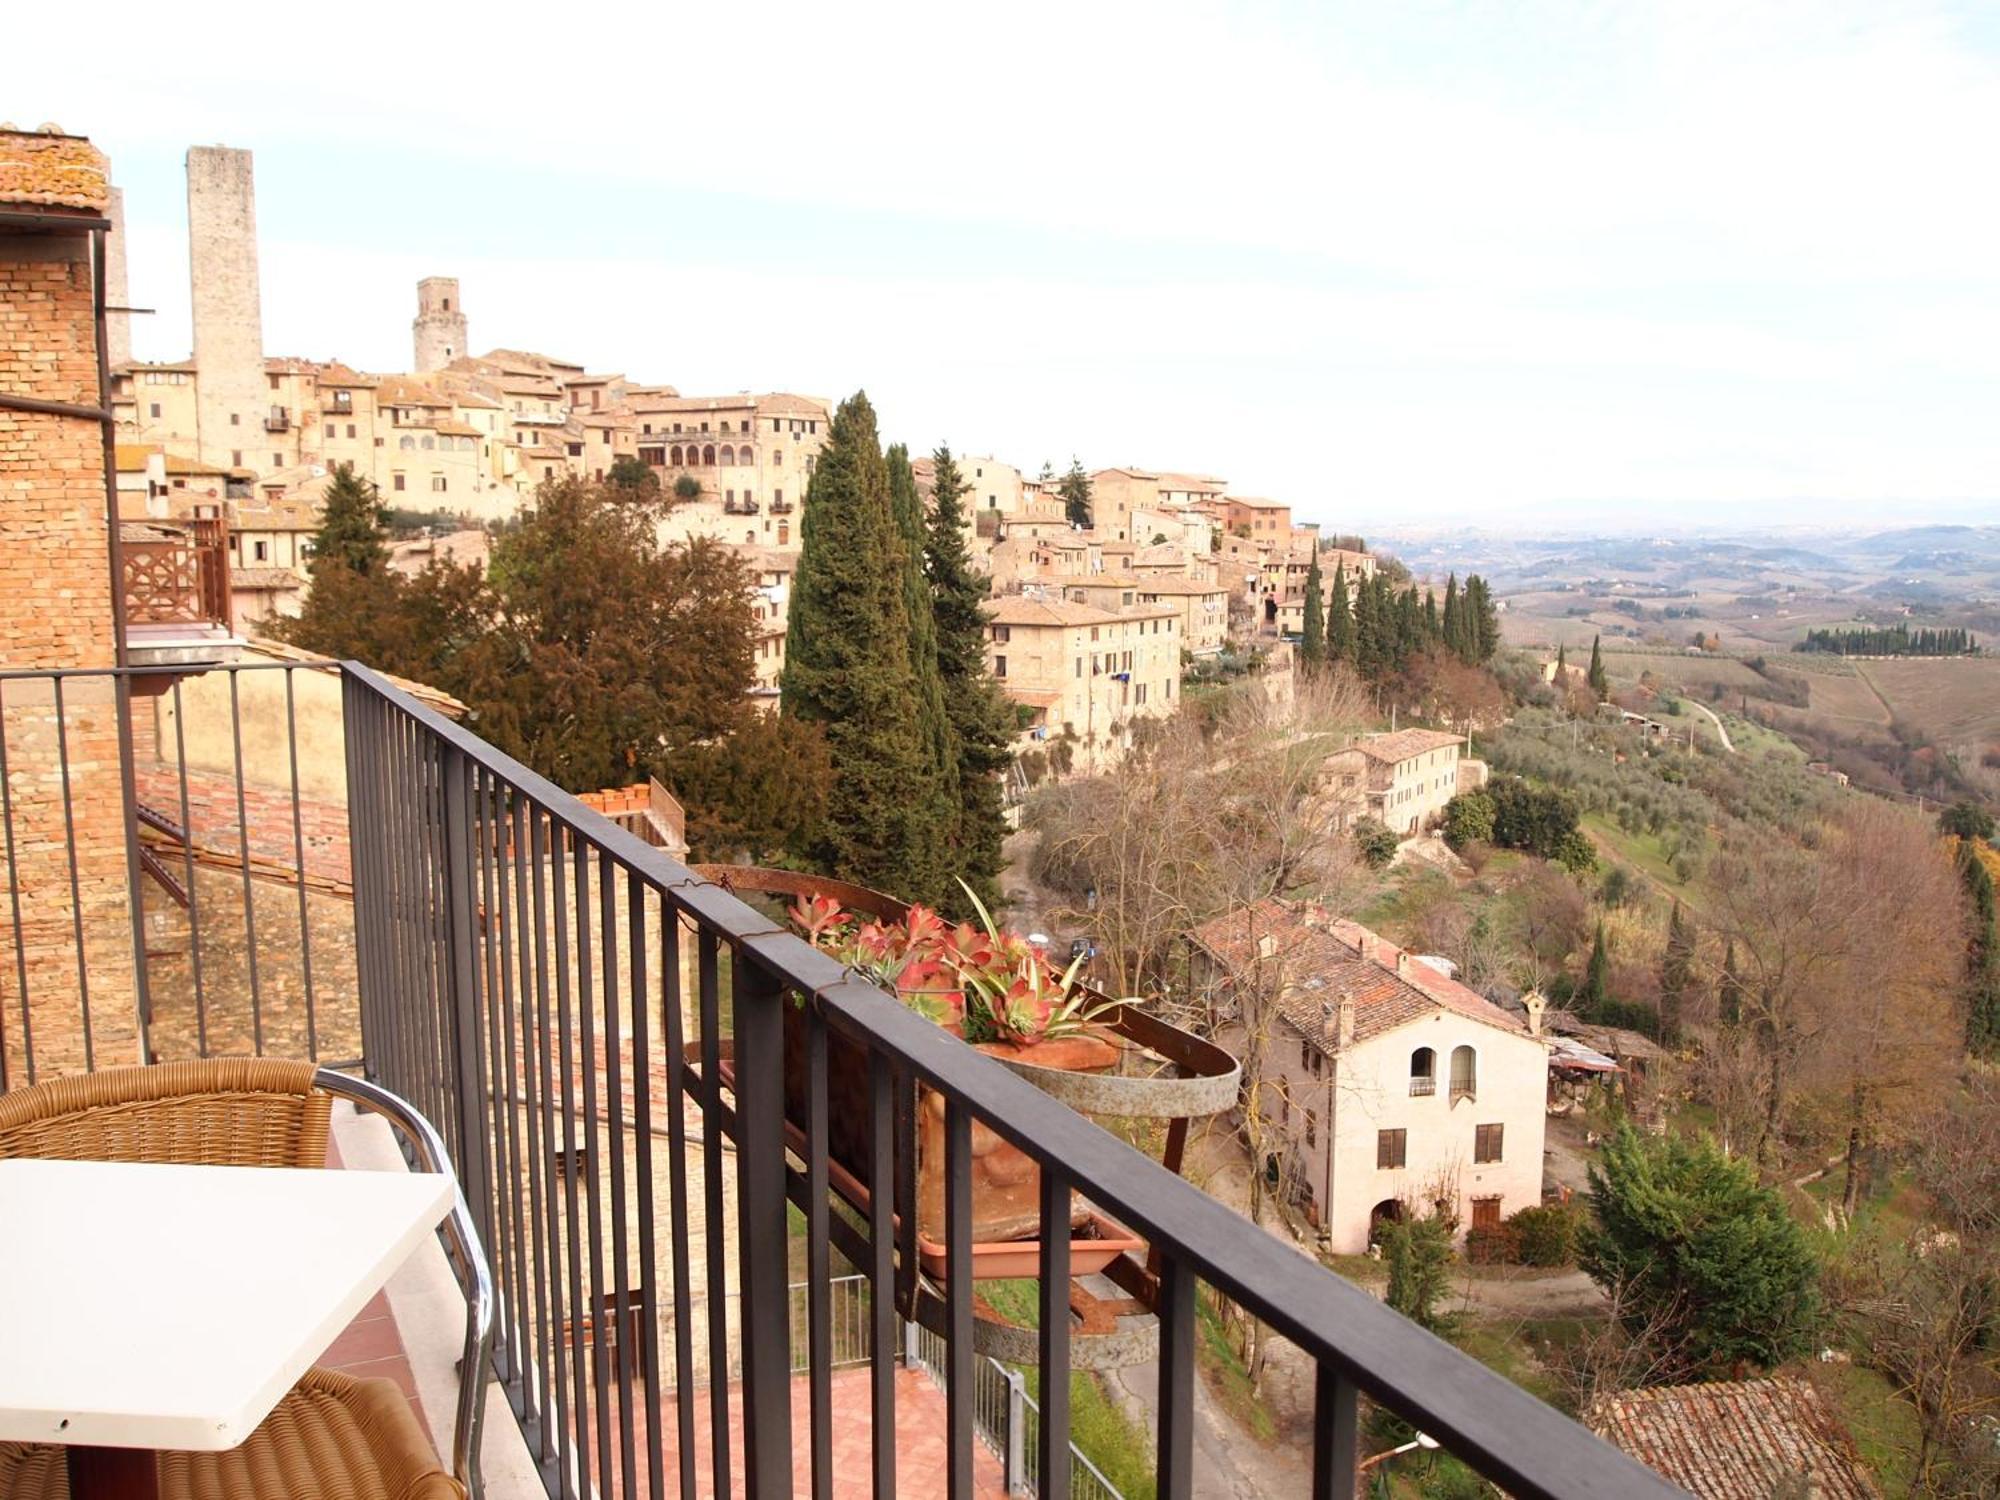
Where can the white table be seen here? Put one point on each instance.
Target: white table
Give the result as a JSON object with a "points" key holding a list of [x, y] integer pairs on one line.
{"points": [[146, 1307]]}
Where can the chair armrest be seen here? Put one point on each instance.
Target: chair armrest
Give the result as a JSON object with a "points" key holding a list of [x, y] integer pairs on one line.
{"points": [[424, 1140]]}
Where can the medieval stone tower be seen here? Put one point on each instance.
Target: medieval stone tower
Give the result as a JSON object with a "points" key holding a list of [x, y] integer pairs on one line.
{"points": [[440, 323], [228, 317]]}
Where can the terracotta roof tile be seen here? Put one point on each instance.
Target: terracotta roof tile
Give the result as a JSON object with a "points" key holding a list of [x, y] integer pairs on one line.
{"points": [[1736, 1440], [49, 170], [1406, 743]]}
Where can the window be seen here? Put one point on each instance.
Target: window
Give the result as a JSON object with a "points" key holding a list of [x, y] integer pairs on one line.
{"points": [[262, 551], [777, 497], [1486, 1143], [396, 482], [235, 420], [999, 666], [1423, 1071], [274, 381], [235, 458], [1464, 1074], [1312, 1128], [777, 457], [329, 429], [1486, 1212], [437, 484], [1391, 1149], [156, 410], [407, 444], [1002, 633]]}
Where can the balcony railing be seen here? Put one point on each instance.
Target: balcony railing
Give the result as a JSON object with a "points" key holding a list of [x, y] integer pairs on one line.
{"points": [[602, 1037], [178, 574], [1423, 1086], [277, 420]]}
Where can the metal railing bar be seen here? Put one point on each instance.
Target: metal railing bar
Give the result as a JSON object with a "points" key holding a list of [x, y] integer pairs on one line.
{"points": [[1174, 1468], [530, 1035], [1052, 1448], [642, 1134], [299, 859], [14, 898], [677, 1190], [577, 1419], [586, 1020], [757, 1005], [959, 1393], [819, 1326], [712, 1220], [494, 1132], [187, 866], [556, 1420], [75, 887], [882, 1273], [249, 892], [614, 1107], [1336, 1435]]}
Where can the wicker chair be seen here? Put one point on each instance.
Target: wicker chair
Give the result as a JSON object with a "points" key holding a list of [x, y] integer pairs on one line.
{"points": [[332, 1435]]}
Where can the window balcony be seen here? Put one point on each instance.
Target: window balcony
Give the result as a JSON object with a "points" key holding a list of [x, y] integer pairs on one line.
{"points": [[694, 1290]]}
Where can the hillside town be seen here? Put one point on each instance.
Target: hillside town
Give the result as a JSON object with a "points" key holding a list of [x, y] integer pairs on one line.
{"points": [[610, 776]]}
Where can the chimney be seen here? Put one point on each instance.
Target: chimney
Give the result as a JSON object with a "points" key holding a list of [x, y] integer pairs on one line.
{"points": [[1402, 963], [1536, 1004], [1344, 1021]]}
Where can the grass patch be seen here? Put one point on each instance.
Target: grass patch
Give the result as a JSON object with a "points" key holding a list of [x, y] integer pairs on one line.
{"points": [[1228, 1378], [1098, 1426], [1884, 1424], [1644, 852]]}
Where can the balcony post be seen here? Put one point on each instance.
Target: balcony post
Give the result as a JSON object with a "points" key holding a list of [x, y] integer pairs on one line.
{"points": [[462, 991], [1017, 1435], [762, 1234]]}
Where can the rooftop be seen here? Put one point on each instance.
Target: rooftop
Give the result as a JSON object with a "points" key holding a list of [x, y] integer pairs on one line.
{"points": [[1317, 959], [1406, 744], [47, 169], [1737, 1440]]}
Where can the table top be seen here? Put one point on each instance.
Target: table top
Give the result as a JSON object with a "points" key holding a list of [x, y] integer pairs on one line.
{"points": [[150, 1306]]}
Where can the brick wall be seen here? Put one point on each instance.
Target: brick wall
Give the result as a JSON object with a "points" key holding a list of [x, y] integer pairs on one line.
{"points": [[55, 610]]}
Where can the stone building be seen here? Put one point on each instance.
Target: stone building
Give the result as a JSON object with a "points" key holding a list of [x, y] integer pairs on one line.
{"points": [[1085, 675], [1384, 1088], [439, 327], [231, 404], [747, 458]]}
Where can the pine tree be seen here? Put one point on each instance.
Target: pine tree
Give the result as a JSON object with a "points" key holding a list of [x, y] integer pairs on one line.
{"points": [[350, 526], [1676, 972], [981, 718], [847, 662], [929, 877], [1729, 993], [1598, 678], [1339, 619], [1076, 494], [1312, 642]]}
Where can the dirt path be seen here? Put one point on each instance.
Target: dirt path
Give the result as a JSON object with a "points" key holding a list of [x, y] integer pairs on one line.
{"points": [[1721, 733], [1888, 713]]}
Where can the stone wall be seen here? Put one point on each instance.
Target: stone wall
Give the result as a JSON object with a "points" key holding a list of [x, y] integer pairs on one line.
{"points": [[228, 318]]}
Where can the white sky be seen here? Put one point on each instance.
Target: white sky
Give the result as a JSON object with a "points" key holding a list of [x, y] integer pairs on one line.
{"points": [[1611, 264]]}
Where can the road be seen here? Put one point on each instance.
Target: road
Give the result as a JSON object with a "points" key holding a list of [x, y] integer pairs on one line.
{"points": [[1721, 733]]}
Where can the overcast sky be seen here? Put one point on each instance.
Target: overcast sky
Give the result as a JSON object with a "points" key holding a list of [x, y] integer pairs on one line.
{"points": [[1603, 265]]}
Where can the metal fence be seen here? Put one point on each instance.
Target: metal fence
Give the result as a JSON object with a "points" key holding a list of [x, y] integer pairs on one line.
{"points": [[631, 1069]]}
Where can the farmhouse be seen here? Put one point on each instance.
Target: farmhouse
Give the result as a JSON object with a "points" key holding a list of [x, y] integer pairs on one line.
{"points": [[1386, 1087]]}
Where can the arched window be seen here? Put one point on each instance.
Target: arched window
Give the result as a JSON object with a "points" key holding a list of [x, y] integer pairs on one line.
{"points": [[1423, 1071], [708, 455], [408, 444], [429, 444], [674, 457], [729, 455], [1464, 1074]]}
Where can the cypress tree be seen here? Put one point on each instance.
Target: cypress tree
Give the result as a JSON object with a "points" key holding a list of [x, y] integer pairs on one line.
{"points": [[847, 663], [1339, 619], [1482, 619], [1599, 679], [1597, 974], [1676, 972], [1312, 644], [1729, 994], [929, 878], [980, 716], [350, 526], [1454, 620], [1432, 627], [1982, 956], [1409, 626], [1562, 663]]}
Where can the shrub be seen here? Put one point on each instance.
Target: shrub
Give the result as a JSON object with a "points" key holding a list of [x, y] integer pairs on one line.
{"points": [[1376, 843], [1468, 817], [1545, 1235], [687, 487], [1419, 1255], [1491, 1245]]}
